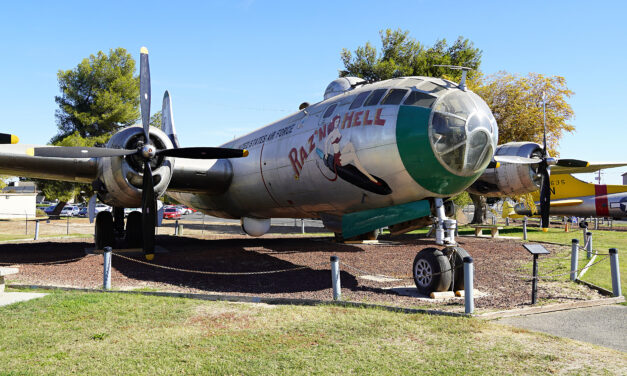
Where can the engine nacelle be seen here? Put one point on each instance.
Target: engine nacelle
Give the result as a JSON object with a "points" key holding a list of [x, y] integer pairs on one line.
{"points": [[120, 178], [510, 178], [255, 226]]}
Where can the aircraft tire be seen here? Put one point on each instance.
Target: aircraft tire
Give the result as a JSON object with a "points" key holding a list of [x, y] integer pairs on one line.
{"points": [[103, 236], [371, 235], [431, 271], [133, 233], [458, 272]]}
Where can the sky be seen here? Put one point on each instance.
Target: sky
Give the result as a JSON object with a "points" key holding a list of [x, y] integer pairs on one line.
{"points": [[234, 66]]}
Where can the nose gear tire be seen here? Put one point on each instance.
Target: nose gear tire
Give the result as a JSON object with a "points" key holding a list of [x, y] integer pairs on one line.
{"points": [[431, 271]]}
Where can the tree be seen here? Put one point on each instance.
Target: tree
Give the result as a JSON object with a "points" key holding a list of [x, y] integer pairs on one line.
{"points": [[402, 55], [516, 103], [99, 96]]}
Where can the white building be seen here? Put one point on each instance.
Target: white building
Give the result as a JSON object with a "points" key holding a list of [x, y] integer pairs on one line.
{"points": [[18, 201]]}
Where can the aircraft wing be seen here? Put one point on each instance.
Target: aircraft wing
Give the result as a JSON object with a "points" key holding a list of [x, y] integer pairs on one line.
{"points": [[15, 161], [592, 167]]}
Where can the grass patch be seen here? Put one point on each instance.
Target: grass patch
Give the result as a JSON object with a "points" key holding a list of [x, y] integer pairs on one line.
{"points": [[602, 241], [96, 333]]}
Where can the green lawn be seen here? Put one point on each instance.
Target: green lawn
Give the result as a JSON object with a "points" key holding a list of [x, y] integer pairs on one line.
{"points": [[602, 241], [93, 333], [7, 237]]}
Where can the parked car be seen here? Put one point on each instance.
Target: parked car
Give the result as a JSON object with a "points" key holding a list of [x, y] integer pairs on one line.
{"points": [[48, 210], [83, 212], [102, 207], [171, 213], [128, 211], [69, 211]]}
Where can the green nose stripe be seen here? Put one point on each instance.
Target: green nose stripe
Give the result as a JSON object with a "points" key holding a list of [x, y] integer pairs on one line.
{"points": [[412, 139]]}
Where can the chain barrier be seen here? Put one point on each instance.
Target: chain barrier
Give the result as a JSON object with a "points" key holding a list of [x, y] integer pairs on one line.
{"points": [[550, 276], [43, 263], [212, 273]]}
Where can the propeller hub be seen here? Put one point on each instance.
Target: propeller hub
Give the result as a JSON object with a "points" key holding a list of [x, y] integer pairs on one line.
{"points": [[148, 151], [550, 161]]}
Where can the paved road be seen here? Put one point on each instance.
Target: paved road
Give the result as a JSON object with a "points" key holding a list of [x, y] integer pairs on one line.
{"points": [[603, 325]]}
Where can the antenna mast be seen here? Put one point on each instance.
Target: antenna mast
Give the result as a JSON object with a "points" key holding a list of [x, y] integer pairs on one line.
{"points": [[462, 82]]}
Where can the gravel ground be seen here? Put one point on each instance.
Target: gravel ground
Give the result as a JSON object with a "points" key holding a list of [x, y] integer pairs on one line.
{"points": [[498, 268]]}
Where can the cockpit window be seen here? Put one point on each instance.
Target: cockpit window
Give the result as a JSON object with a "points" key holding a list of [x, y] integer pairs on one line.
{"points": [[430, 87], [375, 97], [461, 132], [361, 97], [420, 99], [330, 110], [394, 96]]}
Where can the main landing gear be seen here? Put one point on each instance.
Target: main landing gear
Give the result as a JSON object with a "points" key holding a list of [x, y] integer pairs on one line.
{"points": [[109, 227], [437, 270]]}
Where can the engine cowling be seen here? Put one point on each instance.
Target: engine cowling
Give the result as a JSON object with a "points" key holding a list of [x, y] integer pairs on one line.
{"points": [[120, 178], [509, 178]]}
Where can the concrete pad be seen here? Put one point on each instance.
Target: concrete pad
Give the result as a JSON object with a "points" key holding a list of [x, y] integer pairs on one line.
{"points": [[7, 298], [379, 278], [412, 291]]}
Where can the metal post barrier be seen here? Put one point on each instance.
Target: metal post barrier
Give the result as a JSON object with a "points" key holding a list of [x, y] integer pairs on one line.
{"points": [[525, 228], [589, 245], [335, 278], [534, 282], [106, 275], [615, 272], [176, 228], [179, 229], [507, 221], [574, 259], [469, 300], [585, 235], [302, 224], [67, 227], [37, 229], [493, 219]]}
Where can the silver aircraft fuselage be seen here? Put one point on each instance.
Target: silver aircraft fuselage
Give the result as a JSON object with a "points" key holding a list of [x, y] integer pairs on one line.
{"points": [[376, 145]]}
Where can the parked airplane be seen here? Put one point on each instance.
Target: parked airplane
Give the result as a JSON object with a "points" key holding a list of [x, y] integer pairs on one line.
{"points": [[370, 155], [573, 197]]}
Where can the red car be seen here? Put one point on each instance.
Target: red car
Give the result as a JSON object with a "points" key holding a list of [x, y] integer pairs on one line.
{"points": [[171, 213]]}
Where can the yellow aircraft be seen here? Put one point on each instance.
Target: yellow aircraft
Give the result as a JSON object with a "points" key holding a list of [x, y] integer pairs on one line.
{"points": [[573, 197]]}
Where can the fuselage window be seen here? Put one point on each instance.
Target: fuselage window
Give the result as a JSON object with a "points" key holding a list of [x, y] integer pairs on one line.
{"points": [[420, 99], [361, 97], [395, 96], [329, 110], [375, 97]]}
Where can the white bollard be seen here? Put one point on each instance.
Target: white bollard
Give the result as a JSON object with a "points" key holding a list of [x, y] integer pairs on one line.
{"points": [[589, 245], [335, 278], [469, 300], [616, 289], [176, 228], [106, 275], [37, 229], [574, 259]]}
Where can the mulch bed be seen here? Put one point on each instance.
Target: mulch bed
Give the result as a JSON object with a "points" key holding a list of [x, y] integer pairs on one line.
{"points": [[62, 262]]}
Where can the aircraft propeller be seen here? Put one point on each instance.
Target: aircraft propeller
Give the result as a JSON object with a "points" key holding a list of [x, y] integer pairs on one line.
{"points": [[147, 151], [544, 164], [6, 138]]}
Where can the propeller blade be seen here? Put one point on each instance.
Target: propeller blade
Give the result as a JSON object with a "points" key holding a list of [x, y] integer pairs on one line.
{"points": [[204, 153], [167, 120], [516, 160], [545, 196], [79, 152], [572, 163], [91, 208], [494, 164], [544, 152], [6, 138], [149, 211], [144, 90]]}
